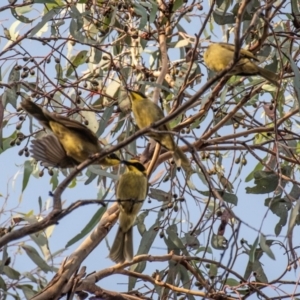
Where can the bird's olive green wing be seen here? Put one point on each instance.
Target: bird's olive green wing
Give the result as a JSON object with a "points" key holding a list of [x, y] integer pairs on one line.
{"points": [[35, 111], [157, 115], [75, 126], [243, 52], [45, 118]]}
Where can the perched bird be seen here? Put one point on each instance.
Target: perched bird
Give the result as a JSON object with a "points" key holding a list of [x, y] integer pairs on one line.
{"points": [[145, 113], [70, 144], [131, 192], [219, 55]]}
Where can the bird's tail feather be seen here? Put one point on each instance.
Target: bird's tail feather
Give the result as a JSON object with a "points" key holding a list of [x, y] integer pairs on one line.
{"points": [[128, 245], [36, 111], [50, 152], [116, 253], [269, 75]]}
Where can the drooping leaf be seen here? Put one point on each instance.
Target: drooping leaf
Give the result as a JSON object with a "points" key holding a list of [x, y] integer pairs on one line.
{"points": [[252, 253], [293, 216], [265, 247], [227, 197], [223, 18], [213, 270], [258, 270], [144, 248], [160, 195], [280, 208], [90, 226], [28, 168], [36, 258], [11, 273], [266, 182], [10, 94], [46, 18], [27, 289], [76, 61]]}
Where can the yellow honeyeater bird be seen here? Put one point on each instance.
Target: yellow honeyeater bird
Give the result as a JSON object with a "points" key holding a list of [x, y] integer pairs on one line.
{"points": [[131, 192], [145, 113], [70, 144], [219, 55]]}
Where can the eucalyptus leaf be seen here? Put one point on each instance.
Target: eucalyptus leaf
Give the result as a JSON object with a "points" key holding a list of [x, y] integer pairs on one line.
{"points": [[28, 168], [46, 18], [90, 226], [265, 247], [252, 253], [36, 258], [144, 248]]}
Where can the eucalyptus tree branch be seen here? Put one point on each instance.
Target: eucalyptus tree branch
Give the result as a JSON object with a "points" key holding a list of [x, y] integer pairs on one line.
{"points": [[57, 286], [119, 269]]}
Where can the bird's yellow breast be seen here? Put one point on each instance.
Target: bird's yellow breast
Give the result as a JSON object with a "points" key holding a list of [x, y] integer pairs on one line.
{"points": [[217, 58]]}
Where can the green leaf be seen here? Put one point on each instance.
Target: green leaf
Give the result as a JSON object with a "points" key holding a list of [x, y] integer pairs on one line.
{"points": [[265, 247], [41, 240], [10, 94], [252, 253], [90, 116], [266, 182], [36, 258], [27, 290], [280, 207], [293, 217], [259, 272], [40, 203], [59, 73], [2, 284], [258, 167], [153, 11], [140, 10], [76, 61], [20, 18], [160, 195], [185, 279], [204, 249], [11, 273], [294, 194], [90, 175], [296, 78], [4, 258], [176, 5], [28, 168], [91, 224], [232, 282], [140, 222], [223, 18], [191, 241], [227, 197], [146, 242], [45, 1], [98, 171], [173, 241], [213, 270], [47, 17], [185, 66], [54, 179], [104, 120], [30, 277], [73, 183], [1, 121]]}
